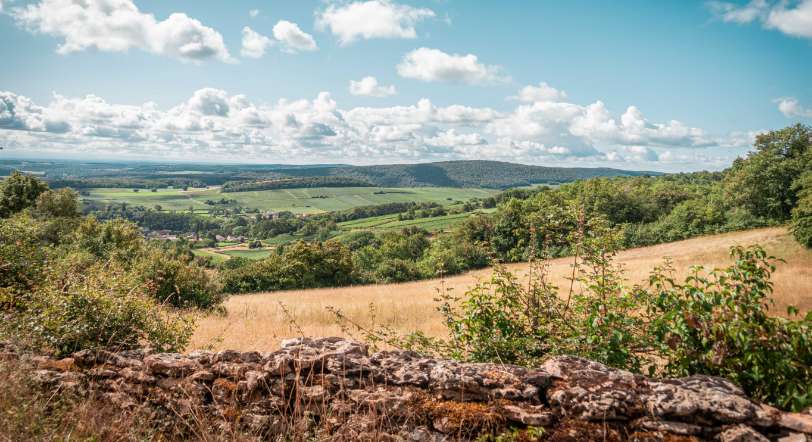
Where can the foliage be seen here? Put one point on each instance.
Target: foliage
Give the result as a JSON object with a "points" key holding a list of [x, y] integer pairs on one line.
{"points": [[719, 323], [763, 183], [18, 192], [301, 265], [802, 214], [98, 306], [69, 282]]}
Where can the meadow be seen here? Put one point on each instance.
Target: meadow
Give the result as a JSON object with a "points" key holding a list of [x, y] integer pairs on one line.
{"points": [[259, 321], [305, 200]]}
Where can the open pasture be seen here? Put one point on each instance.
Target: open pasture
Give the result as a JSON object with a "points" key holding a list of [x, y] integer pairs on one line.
{"points": [[305, 200]]}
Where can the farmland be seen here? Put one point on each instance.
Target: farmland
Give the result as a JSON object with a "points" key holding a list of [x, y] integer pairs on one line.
{"points": [[304, 201]]}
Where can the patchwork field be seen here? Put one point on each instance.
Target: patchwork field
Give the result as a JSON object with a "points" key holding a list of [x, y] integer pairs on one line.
{"points": [[308, 200], [259, 321]]}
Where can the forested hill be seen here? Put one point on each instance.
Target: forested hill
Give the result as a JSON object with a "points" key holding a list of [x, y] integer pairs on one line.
{"points": [[490, 174], [472, 173]]}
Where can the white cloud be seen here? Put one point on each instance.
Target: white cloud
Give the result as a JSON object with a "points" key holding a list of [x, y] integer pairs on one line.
{"points": [[451, 138], [371, 19], [253, 13], [218, 125], [790, 107], [795, 21], [435, 65], [792, 18], [542, 92], [292, 38], [254, 44], [733, 13], [369, 87], [117, 26]]}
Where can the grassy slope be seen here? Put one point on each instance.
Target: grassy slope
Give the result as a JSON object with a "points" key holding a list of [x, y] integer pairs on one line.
{"points": [[256, 321], [294, 200]]}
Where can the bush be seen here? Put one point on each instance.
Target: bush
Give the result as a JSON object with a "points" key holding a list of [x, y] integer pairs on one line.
{"points": [[718, 323], [94, 307], [301, 265], [175, 281], [802, 214], [19, 192]]}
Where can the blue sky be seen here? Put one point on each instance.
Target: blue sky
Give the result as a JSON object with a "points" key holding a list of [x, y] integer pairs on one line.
{"points": [[667, 85]]}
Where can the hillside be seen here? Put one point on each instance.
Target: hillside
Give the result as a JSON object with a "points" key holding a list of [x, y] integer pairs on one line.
{"points": [[258, 321], [474, 173]]}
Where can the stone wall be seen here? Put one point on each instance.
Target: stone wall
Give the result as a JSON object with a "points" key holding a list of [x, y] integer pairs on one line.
{"points": [[333, 389]]}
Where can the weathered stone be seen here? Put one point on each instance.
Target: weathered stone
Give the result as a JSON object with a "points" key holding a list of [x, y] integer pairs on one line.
{"points": [[796, 421], [741, 433], [534, 415], [170, 364], [336, 385], [793, 437]]}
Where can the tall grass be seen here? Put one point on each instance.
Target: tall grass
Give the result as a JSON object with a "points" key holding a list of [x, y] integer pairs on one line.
{"points": [[258, 321]]}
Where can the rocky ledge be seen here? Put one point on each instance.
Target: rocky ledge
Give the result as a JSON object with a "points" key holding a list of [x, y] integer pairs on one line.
{"points": [[333, 389]]}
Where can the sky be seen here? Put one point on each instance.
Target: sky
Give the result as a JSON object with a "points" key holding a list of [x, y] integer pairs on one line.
{"points": [[668, 85]]}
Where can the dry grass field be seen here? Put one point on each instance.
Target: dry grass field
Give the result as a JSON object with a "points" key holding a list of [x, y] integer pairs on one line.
{"points": [[259, 321]]}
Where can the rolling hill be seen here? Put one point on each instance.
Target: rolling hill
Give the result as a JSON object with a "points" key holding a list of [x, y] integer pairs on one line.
{"points": [[471, 173]]}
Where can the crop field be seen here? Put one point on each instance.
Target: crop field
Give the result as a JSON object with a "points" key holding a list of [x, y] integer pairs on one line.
{"points": [[307, 200], [391, 222], [259, 321]]}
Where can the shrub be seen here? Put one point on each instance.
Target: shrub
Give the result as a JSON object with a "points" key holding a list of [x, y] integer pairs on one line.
{"points": [[301, 265], [97, 306], [19, 192], [175, 281], [718, 323], [802, 214]]}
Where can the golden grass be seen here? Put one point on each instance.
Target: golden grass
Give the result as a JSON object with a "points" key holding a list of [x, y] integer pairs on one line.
{"points": [[259, 321]]}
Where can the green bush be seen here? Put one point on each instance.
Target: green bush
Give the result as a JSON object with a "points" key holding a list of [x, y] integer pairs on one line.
{"points": [[301, 265], [176, 281], [719, 323], [802, 214], [100, 306]]}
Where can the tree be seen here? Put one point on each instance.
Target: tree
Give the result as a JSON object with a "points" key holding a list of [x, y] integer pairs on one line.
{"points": [[802, 214], [764, 182], [19, 192], [62, 203]]}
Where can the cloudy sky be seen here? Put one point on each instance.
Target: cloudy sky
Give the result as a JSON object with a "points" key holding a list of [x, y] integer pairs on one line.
{"points": [[658, 85]]}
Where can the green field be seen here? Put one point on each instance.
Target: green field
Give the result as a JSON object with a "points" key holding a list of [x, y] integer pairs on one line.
{"points": [[309, 200], [391, 222], [250, 254]]}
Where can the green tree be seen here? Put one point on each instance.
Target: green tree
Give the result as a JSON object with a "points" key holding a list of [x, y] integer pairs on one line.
{"points": [[19, 192], [62, 203], [802, 214], [763, 183]]}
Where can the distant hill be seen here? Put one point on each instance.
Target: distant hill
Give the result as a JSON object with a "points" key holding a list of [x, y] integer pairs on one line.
{"points": [[473, 173]]}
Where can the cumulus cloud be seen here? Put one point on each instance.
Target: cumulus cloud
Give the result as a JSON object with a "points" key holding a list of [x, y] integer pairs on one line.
{"points": [[287, 35], [217, 124], [432, 65], [118, 26], [371, 19], [790, 107], [292, 38], [254, 44], [542, 92], [369, 87], [791, 18], [253, 13]]}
